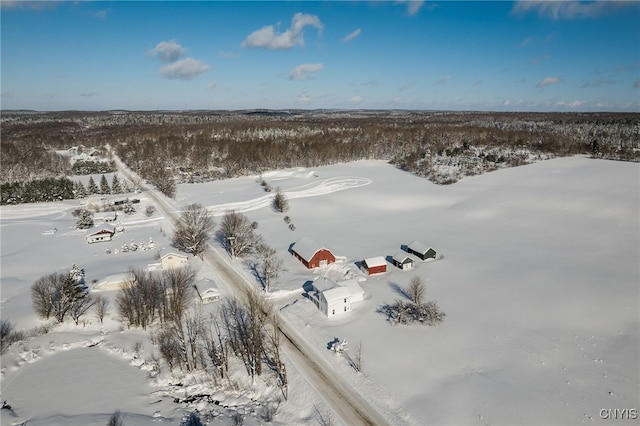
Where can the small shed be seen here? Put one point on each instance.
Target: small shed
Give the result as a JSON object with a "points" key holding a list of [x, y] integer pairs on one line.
{"points": [[332, 299], [105, 217], [402, 260], [421, 251], [311, 253], [173, 260], [100, 234], [374, 265]]}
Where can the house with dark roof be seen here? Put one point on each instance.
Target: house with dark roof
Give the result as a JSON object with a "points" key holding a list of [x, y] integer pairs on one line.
{"points": [[311, 253], [402, 260], [421, 251], [101, 234]]}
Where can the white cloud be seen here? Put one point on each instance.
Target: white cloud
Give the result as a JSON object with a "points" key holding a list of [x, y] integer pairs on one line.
{"points": [[167, 51], [547, 81], [351, 36], [267, 37], [303, 71], [185, 69], [567, 9], [212, 85], [413, 6], [355, 99]]}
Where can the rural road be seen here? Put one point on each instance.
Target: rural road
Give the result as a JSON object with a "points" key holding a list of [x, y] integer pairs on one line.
{"points": [[336, 392]]}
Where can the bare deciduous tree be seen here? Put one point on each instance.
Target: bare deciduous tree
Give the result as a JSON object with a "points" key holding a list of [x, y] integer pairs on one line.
{"points": [[178, 285], [81, 307], [416, 290], [140, 299], [237, 235], [55, 295], [101, 306], [270, 264], [194, 229]]}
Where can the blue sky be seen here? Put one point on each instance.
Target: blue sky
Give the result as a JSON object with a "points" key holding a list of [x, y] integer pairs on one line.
{"points": [[453, 55]]}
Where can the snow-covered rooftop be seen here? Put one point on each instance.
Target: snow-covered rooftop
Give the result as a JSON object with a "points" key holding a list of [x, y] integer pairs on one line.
{"points": [[306, 247], [375, 261], [419, 247]]}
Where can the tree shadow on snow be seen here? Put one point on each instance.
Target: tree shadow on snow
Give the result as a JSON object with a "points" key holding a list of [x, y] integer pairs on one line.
{"points": [[399, 290]]}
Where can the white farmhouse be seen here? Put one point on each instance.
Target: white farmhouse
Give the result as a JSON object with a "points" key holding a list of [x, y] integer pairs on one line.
{"points": [[100, 234], [173, 260], [334, 298]]}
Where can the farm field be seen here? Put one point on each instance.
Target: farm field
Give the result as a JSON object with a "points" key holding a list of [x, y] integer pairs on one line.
{"points": [[537, 272]]}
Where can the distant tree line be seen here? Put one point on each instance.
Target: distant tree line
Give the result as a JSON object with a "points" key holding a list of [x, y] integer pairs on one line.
{"points": [[166, 148]]}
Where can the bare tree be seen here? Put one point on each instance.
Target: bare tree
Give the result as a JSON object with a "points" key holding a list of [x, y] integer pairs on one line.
{"points": [[237, 234], [179, 290], [140, 299], [416, 290], [357, 359], [100, 307], [194, 229], [81, 306], [270, 264], [7, 334], [55, 295]]}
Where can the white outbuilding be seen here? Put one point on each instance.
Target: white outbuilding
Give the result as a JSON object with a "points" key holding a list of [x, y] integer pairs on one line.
{"points": [[173, 260]]}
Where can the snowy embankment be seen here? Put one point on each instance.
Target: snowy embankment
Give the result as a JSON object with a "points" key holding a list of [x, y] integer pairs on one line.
{"points": [[538, 275]]}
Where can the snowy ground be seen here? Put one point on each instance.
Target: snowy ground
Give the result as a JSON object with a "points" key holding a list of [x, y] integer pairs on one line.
{"points": [[538, 275]]}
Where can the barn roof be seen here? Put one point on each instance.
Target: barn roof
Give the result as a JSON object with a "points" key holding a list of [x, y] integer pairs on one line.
{"points": [[375, 261], [103, 229], [307, 247], [419, 247], [401, 257]]}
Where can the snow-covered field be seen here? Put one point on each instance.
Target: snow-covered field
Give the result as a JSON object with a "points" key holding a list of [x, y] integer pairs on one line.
{"points": [[537, 273]]}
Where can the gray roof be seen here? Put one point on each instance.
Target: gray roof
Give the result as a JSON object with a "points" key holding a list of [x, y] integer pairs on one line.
{"points": [[419, 247], [306, 247], [401, 256]]}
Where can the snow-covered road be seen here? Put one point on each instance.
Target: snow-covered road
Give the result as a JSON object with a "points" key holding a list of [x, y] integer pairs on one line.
{"points": [[336, 392]]}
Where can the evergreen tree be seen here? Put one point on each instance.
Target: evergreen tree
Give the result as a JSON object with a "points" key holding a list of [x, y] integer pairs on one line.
{"points": [[115, 185], [80, 190], [84, 220], [92, 188], [104, 185]]}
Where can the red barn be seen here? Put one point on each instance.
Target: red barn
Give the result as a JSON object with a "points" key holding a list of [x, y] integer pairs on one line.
{"points": [[311, 253], [374, 265]]}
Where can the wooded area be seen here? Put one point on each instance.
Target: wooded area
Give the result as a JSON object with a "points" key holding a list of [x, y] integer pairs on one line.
{"points": [[176, 147]]}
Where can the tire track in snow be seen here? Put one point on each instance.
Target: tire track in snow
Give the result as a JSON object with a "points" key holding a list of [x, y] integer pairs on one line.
{"points": [[327, 186]]}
